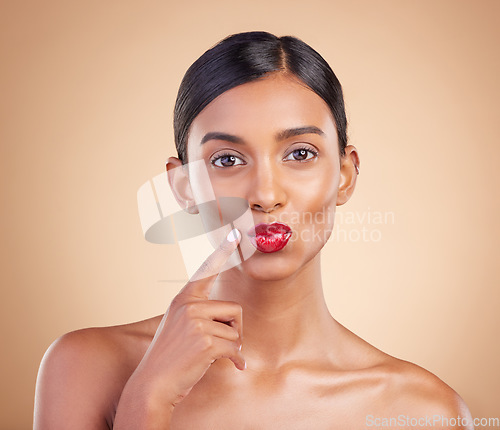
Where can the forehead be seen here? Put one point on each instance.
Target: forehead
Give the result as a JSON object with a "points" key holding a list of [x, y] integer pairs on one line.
{"points": [[260, 108]]}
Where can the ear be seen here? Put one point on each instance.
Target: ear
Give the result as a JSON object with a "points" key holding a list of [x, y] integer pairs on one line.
{"points": [[349, 170], [178, 178]]}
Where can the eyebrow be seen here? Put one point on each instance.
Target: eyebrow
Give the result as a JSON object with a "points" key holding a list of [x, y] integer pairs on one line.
{"points": [[281, 135]]}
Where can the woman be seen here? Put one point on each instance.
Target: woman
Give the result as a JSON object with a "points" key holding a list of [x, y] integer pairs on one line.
{"points": [[253, 346]]}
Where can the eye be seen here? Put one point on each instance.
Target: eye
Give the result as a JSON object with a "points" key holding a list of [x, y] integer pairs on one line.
{"points": [[302, 154], [226, 160]]}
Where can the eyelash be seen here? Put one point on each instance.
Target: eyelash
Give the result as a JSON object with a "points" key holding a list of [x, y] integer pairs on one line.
{"points": [[228, 154], [305, 148], [225, 154]]}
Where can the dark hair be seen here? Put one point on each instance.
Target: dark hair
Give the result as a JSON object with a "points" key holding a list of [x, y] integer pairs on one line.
{"points": [[245, 57]]}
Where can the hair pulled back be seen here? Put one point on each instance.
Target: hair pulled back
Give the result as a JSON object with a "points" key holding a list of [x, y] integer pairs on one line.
{"points": [[246, 57]]}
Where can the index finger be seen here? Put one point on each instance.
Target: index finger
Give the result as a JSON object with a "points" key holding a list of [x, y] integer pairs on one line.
{"points": [[201, 282]]}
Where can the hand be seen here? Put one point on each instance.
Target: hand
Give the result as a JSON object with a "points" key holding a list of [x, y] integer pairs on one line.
{"points": [[193, 333]]}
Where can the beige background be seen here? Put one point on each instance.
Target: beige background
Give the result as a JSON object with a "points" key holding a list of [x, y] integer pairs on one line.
{"points": [[87, 92]]}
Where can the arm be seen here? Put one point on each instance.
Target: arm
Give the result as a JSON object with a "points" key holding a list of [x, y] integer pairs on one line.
{"points": [[74, 389], [453, 406], [193, 333], [191, 336], [66, 394], [421, 394], [138, 408]]}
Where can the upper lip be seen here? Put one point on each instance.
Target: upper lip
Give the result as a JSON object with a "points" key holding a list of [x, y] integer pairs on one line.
{"points": [[263, 228]]}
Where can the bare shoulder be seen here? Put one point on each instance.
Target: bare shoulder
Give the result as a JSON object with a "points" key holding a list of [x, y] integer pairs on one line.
{"points": [[400, 389], [419, 395], [83, 372]]}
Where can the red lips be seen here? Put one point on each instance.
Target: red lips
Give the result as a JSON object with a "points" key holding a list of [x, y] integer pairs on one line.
{"points": [[269, 237]]}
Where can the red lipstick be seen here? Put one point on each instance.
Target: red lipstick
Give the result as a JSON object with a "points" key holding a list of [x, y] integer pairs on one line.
{"points": [[269, 237]]}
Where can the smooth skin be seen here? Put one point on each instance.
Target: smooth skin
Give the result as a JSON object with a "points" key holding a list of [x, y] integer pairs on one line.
{"points": [[184, 369]]}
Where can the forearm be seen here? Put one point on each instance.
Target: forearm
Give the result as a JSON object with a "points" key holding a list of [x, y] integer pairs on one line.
{"points": [[139, 409]]}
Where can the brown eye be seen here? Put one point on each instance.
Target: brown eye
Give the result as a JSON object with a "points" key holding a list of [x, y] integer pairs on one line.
{"points": [[226, 160], [301, 154]]}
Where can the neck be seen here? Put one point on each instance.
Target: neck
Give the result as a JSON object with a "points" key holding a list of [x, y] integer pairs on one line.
{"points": [[282, 319]]}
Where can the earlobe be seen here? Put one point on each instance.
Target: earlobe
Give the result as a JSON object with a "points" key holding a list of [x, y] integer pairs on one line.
{"points": [[349, 170], [178, 178]]}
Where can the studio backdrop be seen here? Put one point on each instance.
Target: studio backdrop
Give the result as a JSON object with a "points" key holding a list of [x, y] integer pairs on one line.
{"points": [[87, 91]]}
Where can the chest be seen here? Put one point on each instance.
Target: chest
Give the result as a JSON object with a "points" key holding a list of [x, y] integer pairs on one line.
{"points": [[294, 403], [283, 412]]}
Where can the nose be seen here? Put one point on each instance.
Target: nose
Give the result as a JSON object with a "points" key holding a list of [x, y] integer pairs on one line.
{"points": [[266, 192]]}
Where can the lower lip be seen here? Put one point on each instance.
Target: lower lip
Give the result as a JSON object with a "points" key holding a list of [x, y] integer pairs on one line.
{"points": [[270, 242]]}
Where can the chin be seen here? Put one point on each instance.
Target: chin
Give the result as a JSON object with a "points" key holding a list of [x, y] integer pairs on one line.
{"points": [[271, 266]]}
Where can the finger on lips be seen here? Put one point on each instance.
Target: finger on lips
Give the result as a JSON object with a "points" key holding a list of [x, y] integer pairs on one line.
{"points": [[211, 267]]}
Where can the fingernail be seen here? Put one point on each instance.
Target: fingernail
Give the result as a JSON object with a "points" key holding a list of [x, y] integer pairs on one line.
{"points": [[233, 235]]}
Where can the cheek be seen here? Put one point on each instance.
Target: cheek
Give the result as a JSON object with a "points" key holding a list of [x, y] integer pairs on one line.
{"points": [[315, 210], [207, 186], [228, 186], [317, 192]]}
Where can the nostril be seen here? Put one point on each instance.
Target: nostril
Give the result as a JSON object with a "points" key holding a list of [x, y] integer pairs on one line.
{"points": [[266, 210]]}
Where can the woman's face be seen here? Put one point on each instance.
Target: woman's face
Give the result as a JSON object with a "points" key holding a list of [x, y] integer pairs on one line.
{"points": [[274, 143]]}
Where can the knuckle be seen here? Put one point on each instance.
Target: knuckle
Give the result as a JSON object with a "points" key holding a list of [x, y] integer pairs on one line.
{"points": [[238, 309], [234, 335], [236, 348], [231, 351], [190, 309], [176, 301], [206, 266], [207, 342], [235, 307], [198, 326], [226, 248]]}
